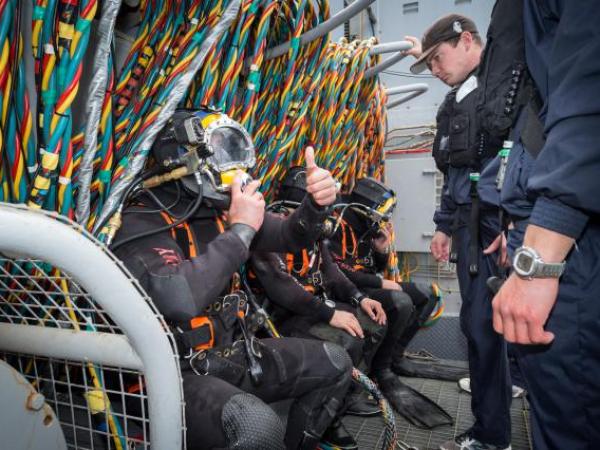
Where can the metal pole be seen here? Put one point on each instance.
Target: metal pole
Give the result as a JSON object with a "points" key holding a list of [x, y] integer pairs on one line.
{"points": [[389, 47], [384, 65], [413, 90], [320, 30], [101, 348]]}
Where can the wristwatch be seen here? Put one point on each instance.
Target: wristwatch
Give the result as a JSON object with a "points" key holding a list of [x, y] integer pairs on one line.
{"points": [[357, 298], [528, 264]]}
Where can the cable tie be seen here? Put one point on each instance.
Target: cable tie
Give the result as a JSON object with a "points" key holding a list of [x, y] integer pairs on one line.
{"points": [[60, 72], [38, 12], [82, 24], [104, 176], [197, 37], [48, 97]]}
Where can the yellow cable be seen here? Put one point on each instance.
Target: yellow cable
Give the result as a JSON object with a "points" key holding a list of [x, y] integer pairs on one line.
{"points": [[91, 368]]}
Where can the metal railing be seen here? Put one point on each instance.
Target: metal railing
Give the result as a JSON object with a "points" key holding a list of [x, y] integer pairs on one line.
{"points": [[80, 329]]}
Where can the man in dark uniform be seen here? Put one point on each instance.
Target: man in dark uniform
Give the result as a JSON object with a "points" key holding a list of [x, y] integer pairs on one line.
{"points": [[452, 49], [189, 267], [550, 302]]}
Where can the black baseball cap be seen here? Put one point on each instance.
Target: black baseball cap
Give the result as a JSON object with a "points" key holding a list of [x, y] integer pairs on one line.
{"points": [[444, 29]]}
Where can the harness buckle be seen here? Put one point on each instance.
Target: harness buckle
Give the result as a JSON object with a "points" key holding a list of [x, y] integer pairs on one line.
{"points": [[200, 356], [316, 278]]}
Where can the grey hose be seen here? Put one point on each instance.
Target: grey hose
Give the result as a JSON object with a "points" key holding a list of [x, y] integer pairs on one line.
{"points": [[93, 108]]}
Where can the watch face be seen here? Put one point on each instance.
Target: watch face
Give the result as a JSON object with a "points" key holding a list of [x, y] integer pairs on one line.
{"points": [[330, 303], [524, 263]]}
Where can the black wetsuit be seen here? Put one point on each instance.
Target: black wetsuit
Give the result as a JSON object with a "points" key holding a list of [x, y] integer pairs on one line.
{"points": [[304, 313], [224, 407], [301, 313]]}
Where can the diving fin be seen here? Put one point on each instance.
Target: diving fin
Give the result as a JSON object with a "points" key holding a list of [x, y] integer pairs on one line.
{"points": [[415, 407], [429, 367]]}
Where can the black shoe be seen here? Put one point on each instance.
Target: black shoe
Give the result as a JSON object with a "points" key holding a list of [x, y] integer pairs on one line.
{"points": [[360, 404], [336, 437]]}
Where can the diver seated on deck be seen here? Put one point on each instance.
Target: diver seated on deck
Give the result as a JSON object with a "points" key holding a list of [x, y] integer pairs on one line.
{"points": [[335, 309], [186, 256], [361, 247]]}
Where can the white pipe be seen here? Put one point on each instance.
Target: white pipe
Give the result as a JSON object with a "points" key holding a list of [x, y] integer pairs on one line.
{"points": [[384, 65], [407, 88], [389, 47], [414, 90], [100, 348]]}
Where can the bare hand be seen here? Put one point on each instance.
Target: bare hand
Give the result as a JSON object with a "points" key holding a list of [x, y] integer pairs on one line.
{"points": [[248, 205], [499, 244], [319, 182], [521, 309], [416, 50], [389, 284], [440, 246], [348, 322], [374, 310], [383, 240]]}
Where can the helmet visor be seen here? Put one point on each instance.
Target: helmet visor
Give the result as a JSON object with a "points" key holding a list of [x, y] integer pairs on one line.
{"points": [[231, 148]]}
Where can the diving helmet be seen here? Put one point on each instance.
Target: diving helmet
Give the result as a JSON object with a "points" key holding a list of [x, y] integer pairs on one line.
{"points": [[213, 147], [373, 199], [293, 186]]}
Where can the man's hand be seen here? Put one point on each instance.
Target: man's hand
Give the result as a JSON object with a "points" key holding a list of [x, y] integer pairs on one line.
{"points": [[416, 50], [347, 322], [499, 244], [381, 243], [522, 307], [247, 205], [374, 310], [389, 284], [319, 182], [440, 246]]}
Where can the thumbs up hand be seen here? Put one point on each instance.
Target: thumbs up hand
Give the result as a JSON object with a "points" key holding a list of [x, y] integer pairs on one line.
{"points": [[319, 182]]}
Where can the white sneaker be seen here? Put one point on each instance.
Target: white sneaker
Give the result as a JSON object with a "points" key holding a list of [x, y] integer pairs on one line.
{"points": [[465, 385], [466, 442]]}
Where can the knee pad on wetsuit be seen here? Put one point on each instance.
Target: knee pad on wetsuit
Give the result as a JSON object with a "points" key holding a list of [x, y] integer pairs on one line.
{"points": [[249, 423], [338, 357]]}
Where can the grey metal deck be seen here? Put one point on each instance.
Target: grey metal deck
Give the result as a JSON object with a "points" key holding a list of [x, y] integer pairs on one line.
{"points": [[369, 431]]}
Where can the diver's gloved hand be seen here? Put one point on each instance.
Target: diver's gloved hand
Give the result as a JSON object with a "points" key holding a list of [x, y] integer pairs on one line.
{"points": [[247, 204], [319, 182]]}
